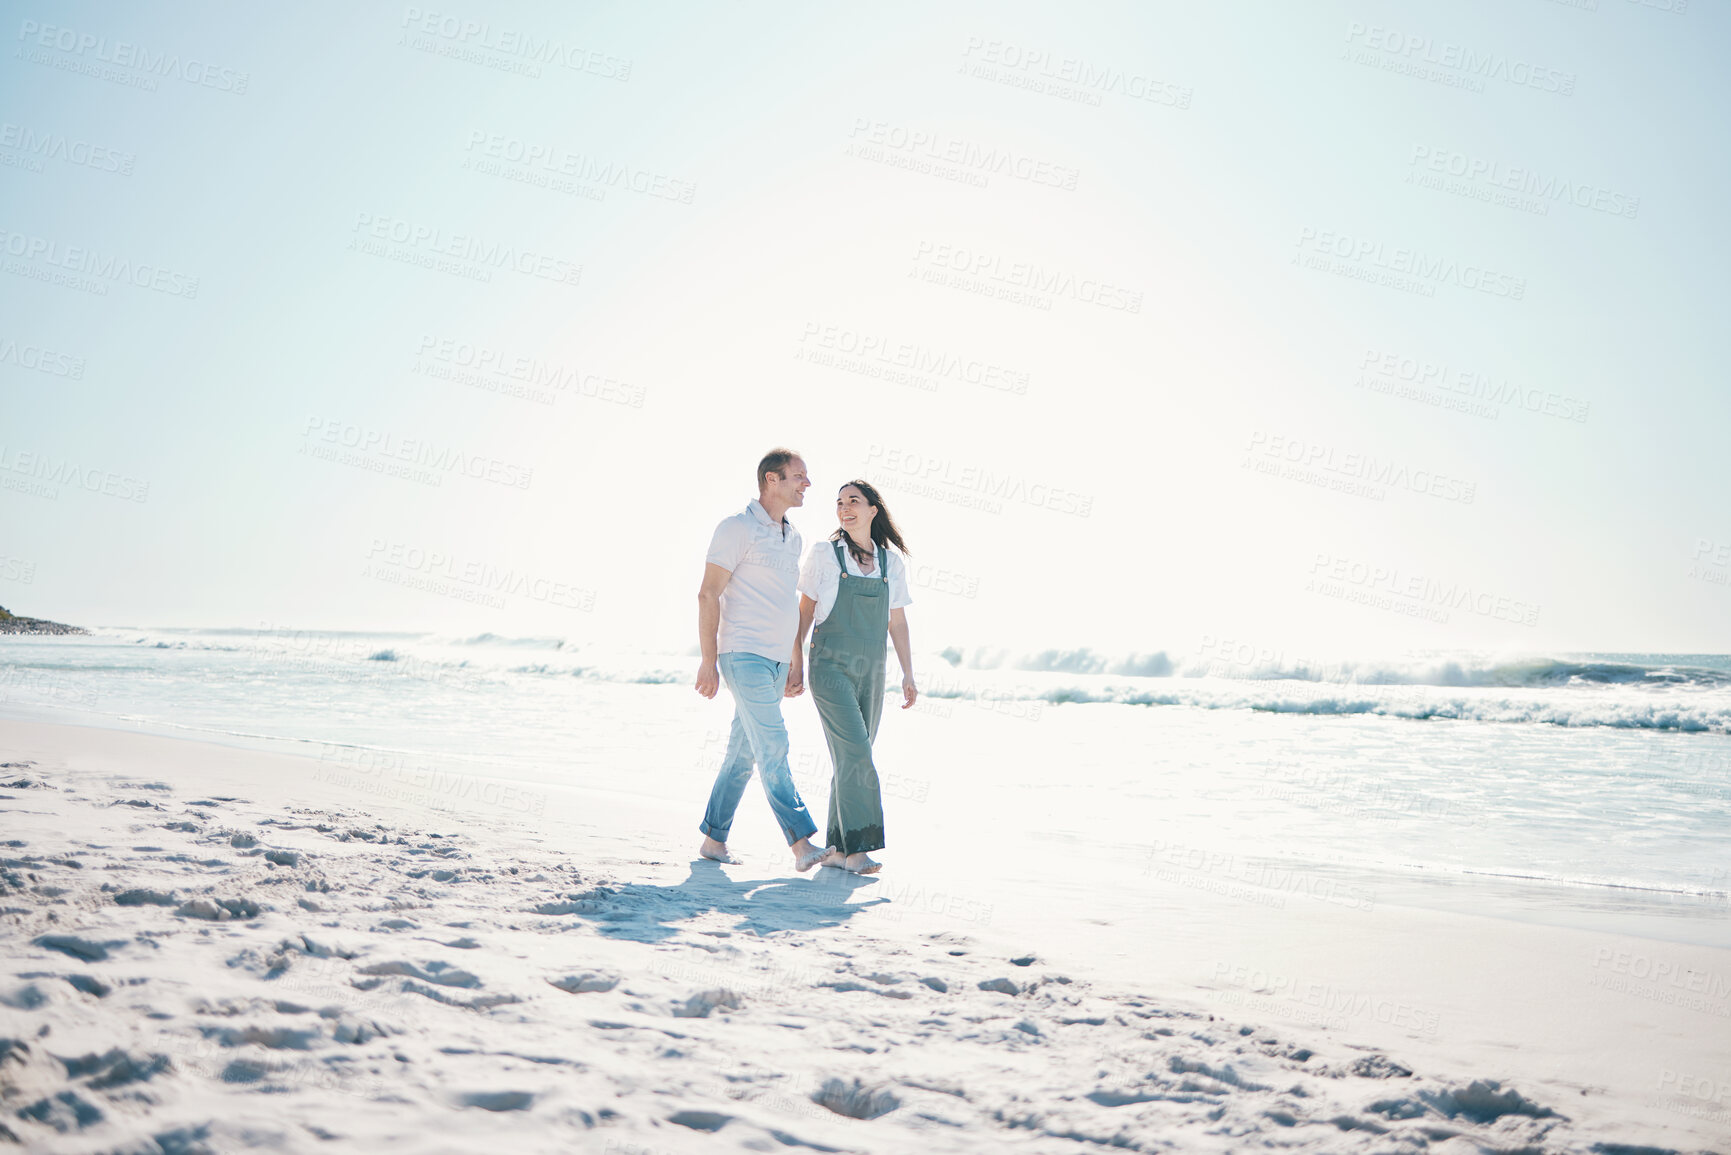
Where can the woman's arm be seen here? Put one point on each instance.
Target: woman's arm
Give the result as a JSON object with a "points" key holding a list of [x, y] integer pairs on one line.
{"points": [[796, 669], [904, 654]]}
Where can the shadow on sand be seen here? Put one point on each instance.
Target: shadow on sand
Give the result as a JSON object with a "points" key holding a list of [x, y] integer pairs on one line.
{"points": [[648, 913]]}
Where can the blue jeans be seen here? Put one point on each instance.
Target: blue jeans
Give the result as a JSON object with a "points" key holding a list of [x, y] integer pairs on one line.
{"points": [[759, 736]]}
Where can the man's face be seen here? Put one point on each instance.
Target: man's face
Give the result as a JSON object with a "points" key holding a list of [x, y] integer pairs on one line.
{"points": [[790, 487]]}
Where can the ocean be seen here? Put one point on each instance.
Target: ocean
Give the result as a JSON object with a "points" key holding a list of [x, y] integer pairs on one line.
{"points": [[1590, 790]]}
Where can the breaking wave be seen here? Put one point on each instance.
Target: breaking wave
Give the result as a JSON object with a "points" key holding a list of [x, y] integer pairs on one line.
{"points": [[1688, 693]]}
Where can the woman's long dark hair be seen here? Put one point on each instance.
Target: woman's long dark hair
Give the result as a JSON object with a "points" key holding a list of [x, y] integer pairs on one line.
{"points": [[884, 531]]}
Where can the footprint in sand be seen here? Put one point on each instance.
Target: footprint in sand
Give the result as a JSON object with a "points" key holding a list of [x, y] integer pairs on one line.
{"points": [[86, 1080], [441, 973], [585, 983], [497, 1100], [90, 985], [83, 949], [701, 1004], [855, 1099], [219, 909], [700, 1120]]}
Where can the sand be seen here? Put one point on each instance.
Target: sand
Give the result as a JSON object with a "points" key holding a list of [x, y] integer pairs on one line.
{"points": [[209, 948]]}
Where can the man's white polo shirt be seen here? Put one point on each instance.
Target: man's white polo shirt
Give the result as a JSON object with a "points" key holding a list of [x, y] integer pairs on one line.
{"points": [[760, 604]]}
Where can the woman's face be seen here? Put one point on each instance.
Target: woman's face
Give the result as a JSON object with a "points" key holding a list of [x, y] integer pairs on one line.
{"points": [[854, 512]]}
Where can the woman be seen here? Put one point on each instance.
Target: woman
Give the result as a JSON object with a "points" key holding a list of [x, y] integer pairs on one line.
{"points": [[852, 590]]}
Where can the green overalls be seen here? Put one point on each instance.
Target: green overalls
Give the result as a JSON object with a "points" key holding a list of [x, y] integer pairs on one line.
{"points": [[847, 683]]}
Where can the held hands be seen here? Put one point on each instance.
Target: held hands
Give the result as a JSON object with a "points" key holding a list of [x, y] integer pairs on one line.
{"points": [[909, 692], [795, 678], [708, 679]]}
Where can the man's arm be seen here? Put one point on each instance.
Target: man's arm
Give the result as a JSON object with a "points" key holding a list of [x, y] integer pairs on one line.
{"points": [[715, 580], [796, 671]]}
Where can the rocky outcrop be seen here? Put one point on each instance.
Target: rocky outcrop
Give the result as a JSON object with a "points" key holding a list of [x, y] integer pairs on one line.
{"points": [[12, 624]]}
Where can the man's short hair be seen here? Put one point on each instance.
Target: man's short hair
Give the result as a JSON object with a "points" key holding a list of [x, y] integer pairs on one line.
{"points": [[775, 461]]}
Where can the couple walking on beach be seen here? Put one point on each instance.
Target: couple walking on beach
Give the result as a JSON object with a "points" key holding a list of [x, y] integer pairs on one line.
{"points": [[753, 613]]}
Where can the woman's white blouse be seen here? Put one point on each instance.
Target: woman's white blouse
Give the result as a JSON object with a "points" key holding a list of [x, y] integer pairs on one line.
{"points": [[819, 577]]}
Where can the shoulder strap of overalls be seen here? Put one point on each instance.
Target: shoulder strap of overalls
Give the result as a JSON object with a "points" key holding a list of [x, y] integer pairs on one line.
{"points": [[883, 562]]}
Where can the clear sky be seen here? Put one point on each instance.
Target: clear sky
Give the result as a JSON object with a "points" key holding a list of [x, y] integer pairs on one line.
{"points": [[1323, 327]]}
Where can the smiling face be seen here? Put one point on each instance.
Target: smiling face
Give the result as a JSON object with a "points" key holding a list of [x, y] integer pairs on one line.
{"points": [[854, 512], [789, 488]]}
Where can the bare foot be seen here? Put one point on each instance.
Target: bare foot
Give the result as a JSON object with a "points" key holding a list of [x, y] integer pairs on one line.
{"points": [[861, 864], [806, 856], [718, 852]]}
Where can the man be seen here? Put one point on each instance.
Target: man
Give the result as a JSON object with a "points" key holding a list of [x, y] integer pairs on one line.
{"points": [[747, 614]]}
